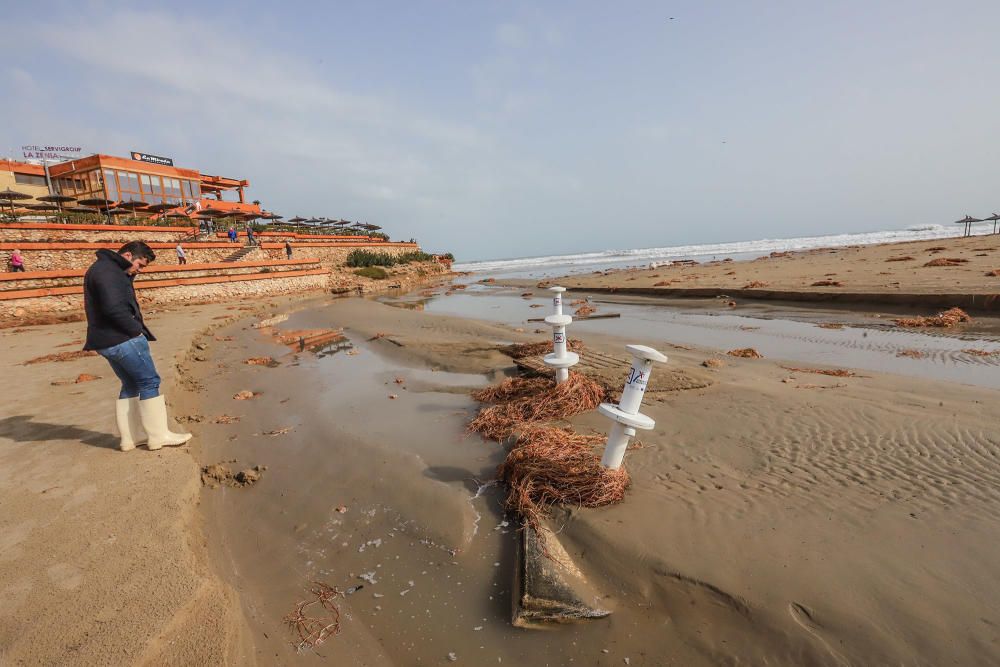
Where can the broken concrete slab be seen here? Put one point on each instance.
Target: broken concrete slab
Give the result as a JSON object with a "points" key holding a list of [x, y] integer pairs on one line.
{"points": [[548, 586]]}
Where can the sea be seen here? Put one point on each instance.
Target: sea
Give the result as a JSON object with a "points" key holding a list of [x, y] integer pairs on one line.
{"points": [[560, 265]]}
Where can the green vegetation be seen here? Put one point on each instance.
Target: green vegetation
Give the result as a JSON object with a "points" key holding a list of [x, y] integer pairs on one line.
{"points": [[373, 272], [362, 257]]}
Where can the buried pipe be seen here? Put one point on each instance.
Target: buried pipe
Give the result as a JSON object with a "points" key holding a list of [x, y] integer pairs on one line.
{"points": [[561, 359], [625, 416]]}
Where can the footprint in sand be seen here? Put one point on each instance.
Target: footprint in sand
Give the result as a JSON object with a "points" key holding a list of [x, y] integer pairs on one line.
{"points": [[803, 615]]}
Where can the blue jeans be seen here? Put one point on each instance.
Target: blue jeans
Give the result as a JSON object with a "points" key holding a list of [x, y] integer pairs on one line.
{"points": [[133, 364]]}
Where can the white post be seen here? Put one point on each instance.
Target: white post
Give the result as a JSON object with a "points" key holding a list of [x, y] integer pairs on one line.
{"points": [[626, 416], [557, 298], [560, 359]]}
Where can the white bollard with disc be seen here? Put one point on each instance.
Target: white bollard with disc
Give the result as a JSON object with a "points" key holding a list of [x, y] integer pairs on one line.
{"points": [[561, 359], [626, 416]]}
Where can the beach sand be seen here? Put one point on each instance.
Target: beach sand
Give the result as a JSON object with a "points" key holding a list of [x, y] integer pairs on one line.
{"points": [[776, 516], [102, 559], [884, 273]]}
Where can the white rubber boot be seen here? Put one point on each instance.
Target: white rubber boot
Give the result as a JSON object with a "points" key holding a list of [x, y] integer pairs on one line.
{"points": [[129, 424], [153, 412]]}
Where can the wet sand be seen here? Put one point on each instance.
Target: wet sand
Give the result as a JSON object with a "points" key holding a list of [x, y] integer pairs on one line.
{"points": [[776, 516]]}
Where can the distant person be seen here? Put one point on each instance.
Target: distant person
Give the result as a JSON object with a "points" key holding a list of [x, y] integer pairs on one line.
{"points": [[232, 235], [116, 331], [181, 257], [17, 261], [288, 250], [250, 239]]}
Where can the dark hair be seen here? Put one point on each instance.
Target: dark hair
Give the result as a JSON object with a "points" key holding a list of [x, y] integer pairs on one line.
{"points": [[139, 250]]}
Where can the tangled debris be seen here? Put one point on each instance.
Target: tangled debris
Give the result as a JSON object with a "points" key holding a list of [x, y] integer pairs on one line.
{"points": [[226, 419], [261, 361], [753, 284], [981, 353], [904, 258], [827, 283], [577, 394], [245, 395], [946, 261], [746, 353], [830, 325], [60, 356], [513, 388], [521, 350], [585, 310], [314, 630], [713, 363], [913, 354], [835, 372], [944, 320], [82, 377], [550, 465], [217, 474], [995, 273]]}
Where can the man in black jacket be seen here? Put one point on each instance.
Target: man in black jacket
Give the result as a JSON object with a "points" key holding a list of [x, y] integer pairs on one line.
{"points": [[116, 331]]}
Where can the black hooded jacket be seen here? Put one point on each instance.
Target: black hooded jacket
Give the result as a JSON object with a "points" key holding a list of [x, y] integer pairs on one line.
{"points": [[113, 314]]}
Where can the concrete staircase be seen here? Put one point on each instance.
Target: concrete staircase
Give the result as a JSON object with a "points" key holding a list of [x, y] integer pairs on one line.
{"points": [[240, 254]]}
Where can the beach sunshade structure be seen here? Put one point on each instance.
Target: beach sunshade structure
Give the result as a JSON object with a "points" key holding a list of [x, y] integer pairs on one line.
{"points": [[297, 219], [11, 196], [992, 218], [81, 209], [160, 208], [968, 221], [96, 202], [58, 200], [41, 207], [177, 215]]}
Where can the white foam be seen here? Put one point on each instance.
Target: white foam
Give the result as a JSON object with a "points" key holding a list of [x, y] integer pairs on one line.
{"points": [[584, 261]]}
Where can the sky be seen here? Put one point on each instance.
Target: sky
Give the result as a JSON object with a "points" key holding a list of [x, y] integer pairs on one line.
{"points": [[509, 129]]}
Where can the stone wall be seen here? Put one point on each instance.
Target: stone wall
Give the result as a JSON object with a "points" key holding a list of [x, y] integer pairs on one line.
{"points": [[106, 234], [54, 258], [23, 309]]}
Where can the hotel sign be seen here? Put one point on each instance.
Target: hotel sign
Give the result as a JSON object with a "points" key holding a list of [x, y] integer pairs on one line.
{"points": [[152, 159], [33, 152]]}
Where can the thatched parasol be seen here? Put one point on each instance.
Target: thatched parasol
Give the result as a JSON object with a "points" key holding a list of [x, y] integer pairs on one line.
{"points": [[968, 221], [58, 200], [10, 196], [993, 218]]}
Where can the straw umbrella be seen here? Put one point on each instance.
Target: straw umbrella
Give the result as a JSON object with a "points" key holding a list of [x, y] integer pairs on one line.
{"points": [[133, 205], [967, 221], [10, 196], [993, 218], [58, 200], [100, 203]]}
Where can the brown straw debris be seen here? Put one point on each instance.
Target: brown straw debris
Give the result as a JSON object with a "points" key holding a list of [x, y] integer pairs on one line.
{"points": [[913, 354], [314, 630], [60, 356], [585, 310], [260, 361], [995, 273], [904, 258], [753, 284], [550, 465], [513, 388], [946, 261], [981, 353], [577, 394], [944, 320], [522, 350], [827, 283], [746, 353], [835, 372]]}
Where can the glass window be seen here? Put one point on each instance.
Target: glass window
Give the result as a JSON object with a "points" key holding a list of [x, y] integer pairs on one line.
{"points": [[128, 181], [29, 179], [195, 189], [110, 185]]}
